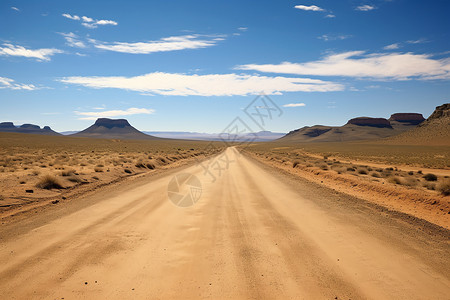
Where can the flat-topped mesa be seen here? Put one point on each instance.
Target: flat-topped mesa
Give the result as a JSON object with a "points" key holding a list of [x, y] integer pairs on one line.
{"points": [[411, 118], [441, 111], [7, 125], [30, 126], [111, 123], [372, 122]]}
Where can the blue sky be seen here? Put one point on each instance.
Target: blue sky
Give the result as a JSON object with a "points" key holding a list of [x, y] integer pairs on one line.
{"points": [[194, 65]]}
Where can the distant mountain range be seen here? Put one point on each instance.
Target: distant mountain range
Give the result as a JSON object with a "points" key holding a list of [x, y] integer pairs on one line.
{"points": [[185, 135], [26, 128], [407, 128], [362, 128]]}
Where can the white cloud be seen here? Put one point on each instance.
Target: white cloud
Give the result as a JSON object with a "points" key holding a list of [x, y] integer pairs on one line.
{"points": [[365, 7], [393, 66], [72, 40], [68, 16], [333, 37], [330, 16], [39, 54], [8, 83], [243, 28], [90, 22], [294, 105], [392, 46], [310, 8], [87, 19], [15, 8], [175, 84], [165, 44], [114, 113]]}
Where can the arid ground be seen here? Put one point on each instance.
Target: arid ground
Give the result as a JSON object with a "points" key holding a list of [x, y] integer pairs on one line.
{"points": [[256, 232]]}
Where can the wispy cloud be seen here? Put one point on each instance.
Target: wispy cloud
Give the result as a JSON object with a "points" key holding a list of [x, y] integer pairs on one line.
{"points": [[309, 7], [175, 84], [419, 41], [114, 113], [42, 54], [359, 64], [392, 46], [15, 8], [243, 28], [89, 22], [330, 16], [172, 43], [365, 7], [8, 83], [401, 44], [294, 105], [333, 37], [72, 40]]}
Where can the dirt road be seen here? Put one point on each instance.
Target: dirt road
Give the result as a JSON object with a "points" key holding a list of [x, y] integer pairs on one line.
{"points": [[253, 234]]}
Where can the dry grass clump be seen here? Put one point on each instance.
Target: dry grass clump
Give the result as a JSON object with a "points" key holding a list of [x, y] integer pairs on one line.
{"points": [[49, 182], [444, 187], [408, 181], [295, 163], [98, 169], [69, 172]]}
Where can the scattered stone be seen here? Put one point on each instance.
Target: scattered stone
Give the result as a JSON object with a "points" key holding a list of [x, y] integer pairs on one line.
{"points": [[29, 191], [55, 201], [64, 198]]}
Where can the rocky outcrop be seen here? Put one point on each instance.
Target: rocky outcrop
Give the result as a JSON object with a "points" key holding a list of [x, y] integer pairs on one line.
{"points": [[440, 112], [411, 118], [372, 122]]}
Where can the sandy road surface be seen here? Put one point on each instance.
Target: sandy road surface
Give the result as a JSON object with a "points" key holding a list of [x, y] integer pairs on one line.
{"points": [[253, 234]]}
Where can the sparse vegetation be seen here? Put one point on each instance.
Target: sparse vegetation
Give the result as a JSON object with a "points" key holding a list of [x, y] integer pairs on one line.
{"points": [[444, 187], [49, 182], [430, 177]]}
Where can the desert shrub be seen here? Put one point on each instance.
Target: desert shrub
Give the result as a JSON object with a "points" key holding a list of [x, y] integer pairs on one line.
{"points": [[379, 170], [430, 177], [444, 187], [140, 164], [362, 171], [68, 172], [100, 166], [36, 172], [394, 180], [429, 185], [22, 182], [127, 171], [161, 159], [419, 172], [98, 169], [151, 166], [95, 177], [323, 167], [49, 182], [351, 169], [75, 179], [410, 173], [375, 174], [1, 197], [295, 163]]}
